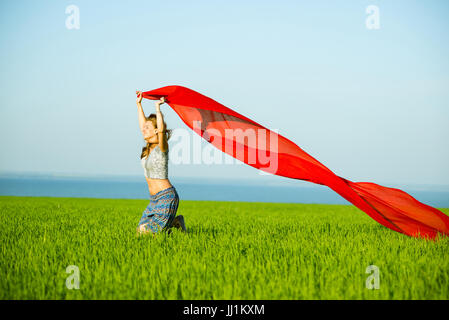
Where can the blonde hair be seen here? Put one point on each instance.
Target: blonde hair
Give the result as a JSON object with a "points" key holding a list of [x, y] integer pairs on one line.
{"points": [[168, 132]]}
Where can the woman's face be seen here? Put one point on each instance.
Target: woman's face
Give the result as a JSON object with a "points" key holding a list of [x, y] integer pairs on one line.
{"points": [[149, 132]]}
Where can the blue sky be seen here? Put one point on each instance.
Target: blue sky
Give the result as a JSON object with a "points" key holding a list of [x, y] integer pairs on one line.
{"points": [[371, 105]]}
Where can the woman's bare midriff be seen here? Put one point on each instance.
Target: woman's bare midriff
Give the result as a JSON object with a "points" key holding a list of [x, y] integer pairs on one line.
{"points": [[156, 185]]}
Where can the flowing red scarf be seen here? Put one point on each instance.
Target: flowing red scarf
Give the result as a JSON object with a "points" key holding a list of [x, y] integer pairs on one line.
{"points": [[255, 145]]}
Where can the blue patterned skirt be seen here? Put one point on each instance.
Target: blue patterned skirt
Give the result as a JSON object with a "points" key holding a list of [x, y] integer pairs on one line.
{"points": [[160, 212]]}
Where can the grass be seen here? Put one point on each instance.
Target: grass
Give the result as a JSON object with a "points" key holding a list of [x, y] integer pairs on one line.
{"points": [[233, 250]]}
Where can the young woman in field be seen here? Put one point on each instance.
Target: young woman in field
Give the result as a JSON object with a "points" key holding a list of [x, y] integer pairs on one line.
{"points": [[160, 214]]}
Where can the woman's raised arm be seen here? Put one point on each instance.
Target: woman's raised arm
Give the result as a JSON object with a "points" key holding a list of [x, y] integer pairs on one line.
{"points": [[163, 145], [140, 112]]}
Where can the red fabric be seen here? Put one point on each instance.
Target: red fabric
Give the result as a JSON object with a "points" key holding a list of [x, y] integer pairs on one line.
{"points": [[391, 207]]}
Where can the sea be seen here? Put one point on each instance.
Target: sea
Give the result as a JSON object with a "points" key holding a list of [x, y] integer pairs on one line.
{"points": [[197, 189]]}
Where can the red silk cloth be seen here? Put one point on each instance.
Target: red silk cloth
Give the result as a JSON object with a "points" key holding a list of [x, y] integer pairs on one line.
{"points": [[275, 154]]}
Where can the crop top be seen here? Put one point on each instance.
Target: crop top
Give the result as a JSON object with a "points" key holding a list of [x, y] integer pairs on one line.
{"points": [[155, 165]]}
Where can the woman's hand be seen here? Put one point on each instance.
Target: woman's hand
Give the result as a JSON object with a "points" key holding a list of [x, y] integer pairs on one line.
{"points": [[139, 97], [161, 101]]}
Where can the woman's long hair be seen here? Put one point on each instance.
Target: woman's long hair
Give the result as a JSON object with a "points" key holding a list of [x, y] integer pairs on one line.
{"points": [[146, 149]]}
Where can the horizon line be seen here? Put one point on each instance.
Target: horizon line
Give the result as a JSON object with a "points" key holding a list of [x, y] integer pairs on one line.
{"points": [[46, 174]]}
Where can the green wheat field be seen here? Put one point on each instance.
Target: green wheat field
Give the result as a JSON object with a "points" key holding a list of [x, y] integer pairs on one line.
{"points": [[232, 251]]}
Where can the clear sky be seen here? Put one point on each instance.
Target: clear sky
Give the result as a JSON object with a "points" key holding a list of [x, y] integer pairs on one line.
{"points": [[370, 104]]}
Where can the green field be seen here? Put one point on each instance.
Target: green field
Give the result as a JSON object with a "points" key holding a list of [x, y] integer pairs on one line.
{"points": [[233, 250]]}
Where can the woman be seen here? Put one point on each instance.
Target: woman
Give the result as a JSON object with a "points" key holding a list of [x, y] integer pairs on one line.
{"points": [[160, 214]]}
